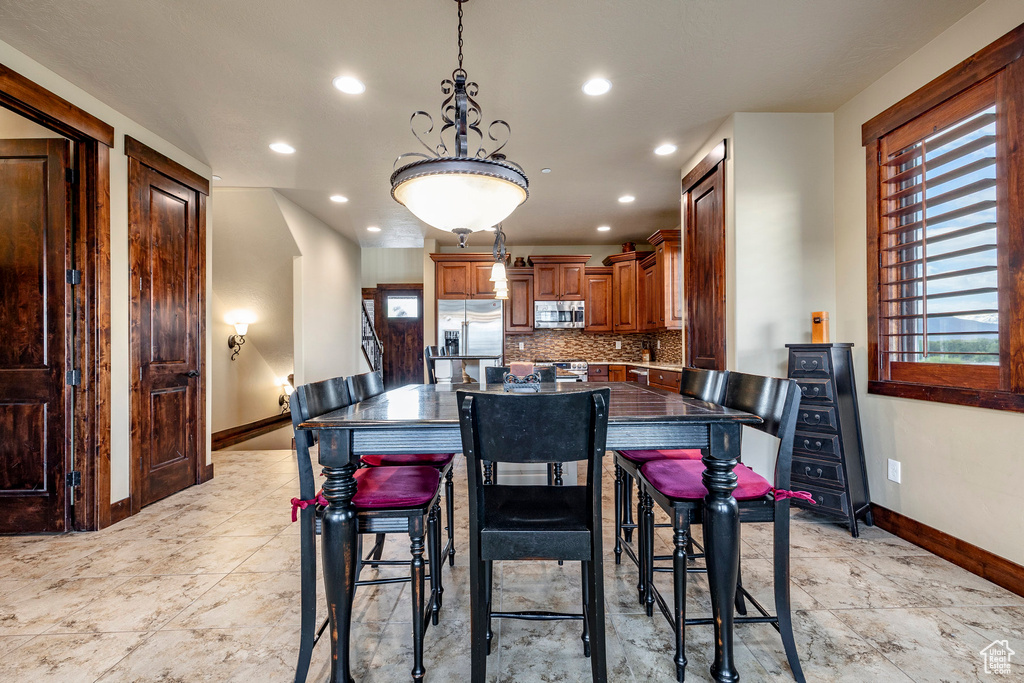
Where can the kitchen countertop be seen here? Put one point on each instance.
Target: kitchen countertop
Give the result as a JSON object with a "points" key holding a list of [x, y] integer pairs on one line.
{"points": [[675, 367]]}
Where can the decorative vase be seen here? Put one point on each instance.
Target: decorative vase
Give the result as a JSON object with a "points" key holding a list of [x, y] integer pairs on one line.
{"points": [[520, 262], [628, 247]]}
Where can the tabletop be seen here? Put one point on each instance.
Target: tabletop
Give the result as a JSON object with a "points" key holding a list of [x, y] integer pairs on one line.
{"points": [[434, 405]]}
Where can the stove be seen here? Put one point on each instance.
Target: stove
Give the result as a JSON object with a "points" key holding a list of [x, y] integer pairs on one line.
{"points": [[570, 370]]}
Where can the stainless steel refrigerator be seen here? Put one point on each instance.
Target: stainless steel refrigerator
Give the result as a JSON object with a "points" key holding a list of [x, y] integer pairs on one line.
{"points": [[478, 325]]}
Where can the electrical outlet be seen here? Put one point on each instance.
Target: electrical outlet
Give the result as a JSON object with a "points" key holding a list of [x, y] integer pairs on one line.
{"points": [[522, 346], [659, 343], [618, 345], [894, 470]]}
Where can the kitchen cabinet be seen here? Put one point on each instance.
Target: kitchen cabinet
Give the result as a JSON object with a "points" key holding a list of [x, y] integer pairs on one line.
{"points": [[624, 290], [463, 276], [519, 307], [598, 291], [668, 278], [453, 281], [480, 280], [664, 379], [648, 294], [559, 278], [636, 374], [616, 373], [597, 373]]}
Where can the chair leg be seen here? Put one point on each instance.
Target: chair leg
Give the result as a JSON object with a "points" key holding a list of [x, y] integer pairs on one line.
{"points": [[558, 473], [618, 514], [435, 560], [449, 503], [489, 579], [488, 471], [741, 604], [417, 572], [378, 549], [478, 620], [585, 581], [681, 535], [307, 595], [781, 547], [648, 535], [595, 615], [641, 553], [627, 505]]}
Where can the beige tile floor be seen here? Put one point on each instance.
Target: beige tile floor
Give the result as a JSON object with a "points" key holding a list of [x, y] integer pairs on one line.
{"points": [[203, 586]]}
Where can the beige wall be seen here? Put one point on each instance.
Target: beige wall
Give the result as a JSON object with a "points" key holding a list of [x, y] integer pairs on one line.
{"points": [[15, 126], [962, 467], [15, 60], [384, 265]]}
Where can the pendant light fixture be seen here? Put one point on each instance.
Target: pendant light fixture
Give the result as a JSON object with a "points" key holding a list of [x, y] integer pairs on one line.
{"points": [[452, 188], [498, 274]]}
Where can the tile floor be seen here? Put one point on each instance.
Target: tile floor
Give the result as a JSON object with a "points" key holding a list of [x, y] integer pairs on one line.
{"points": [[203, 586]]}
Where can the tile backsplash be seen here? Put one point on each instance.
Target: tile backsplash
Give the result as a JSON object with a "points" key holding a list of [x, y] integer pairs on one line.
{"points": [[559, 344]]}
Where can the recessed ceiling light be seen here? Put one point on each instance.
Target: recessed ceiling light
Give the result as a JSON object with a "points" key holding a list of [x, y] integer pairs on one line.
{"points": [[339, 198], [626, 199], [216, 177], [282, 148], [665, 149], [545, 170], [597, 86], [604, 228], [373, 228], [349, 85]]}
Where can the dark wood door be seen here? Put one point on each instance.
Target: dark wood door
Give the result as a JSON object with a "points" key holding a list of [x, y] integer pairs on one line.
{"points": [[453, 281], [168, 264], [519, 308], [598, 310], [401, 315], [570, 281], [624, 307], [545, 282], [705, 271], [35, 318], [483, 288]]}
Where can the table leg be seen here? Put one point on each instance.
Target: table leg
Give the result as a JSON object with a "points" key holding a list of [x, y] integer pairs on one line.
{"points": [[338, 542], [722, 542]]}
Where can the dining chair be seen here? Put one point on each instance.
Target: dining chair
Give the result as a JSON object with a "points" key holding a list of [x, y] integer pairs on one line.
{"points": [[430, 355], [677, 487], [704, 385], [535, 522], [368, 385], [496, 375], [385, 498]]}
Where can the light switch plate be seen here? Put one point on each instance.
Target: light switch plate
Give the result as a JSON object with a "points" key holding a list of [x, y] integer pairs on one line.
{"points": [[522, 346], [618, 345], [894, 470]]}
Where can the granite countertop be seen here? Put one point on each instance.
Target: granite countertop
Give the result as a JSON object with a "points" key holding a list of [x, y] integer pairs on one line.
{"points": [[676, 367]]}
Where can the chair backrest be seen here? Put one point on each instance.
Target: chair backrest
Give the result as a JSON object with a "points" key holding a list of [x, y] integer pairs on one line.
{"points": [[364, 386], [776, 402], [309, 401], [705, 385], [495, 373], [429, 354]]}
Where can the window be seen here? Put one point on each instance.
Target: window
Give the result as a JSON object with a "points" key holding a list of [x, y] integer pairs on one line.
{"points": [[403, 307], [945, 239]]}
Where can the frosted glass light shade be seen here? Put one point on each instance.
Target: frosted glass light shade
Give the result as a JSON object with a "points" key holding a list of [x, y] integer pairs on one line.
{"points": [[453, 193], [498, 272], [241, 329]]}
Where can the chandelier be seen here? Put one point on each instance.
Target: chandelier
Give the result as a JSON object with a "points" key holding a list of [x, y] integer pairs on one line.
{"points": [[451, 188]]}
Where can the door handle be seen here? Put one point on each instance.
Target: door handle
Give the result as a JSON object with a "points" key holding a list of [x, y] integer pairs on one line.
{"points": [[192, 373]]}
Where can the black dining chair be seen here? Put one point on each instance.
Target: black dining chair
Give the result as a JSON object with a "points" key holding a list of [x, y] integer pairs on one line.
{"points": [[495, 374], [704, 385], [368, 385], [677, 487], [535, 522], [385, 498], [430, 355]]}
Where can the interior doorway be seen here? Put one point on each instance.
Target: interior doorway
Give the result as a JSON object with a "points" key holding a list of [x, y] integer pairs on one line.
{"points": [[399, 319]]}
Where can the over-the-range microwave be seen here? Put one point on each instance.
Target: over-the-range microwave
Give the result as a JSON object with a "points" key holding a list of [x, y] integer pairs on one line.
{"points": [[558, 315]]}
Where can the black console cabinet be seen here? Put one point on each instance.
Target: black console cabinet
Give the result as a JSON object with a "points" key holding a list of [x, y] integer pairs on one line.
{"points": [[828, 452]]}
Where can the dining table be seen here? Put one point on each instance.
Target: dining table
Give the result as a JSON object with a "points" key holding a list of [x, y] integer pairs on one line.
{"points": [[424, 418]]}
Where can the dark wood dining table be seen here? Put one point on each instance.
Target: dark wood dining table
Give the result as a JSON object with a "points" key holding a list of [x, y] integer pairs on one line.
{"points": [[423, 418]]}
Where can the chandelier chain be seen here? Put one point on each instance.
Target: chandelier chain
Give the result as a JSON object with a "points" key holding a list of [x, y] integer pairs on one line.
{"points": [[459, 2]]}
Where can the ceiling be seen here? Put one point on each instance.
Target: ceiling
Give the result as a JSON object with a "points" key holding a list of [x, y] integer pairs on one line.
{"points": [[224, 79]]}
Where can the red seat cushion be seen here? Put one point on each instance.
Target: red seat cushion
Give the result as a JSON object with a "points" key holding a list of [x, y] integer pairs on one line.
{"points": [[395, 487], [681, 480], [430, 459], [641, 457]]}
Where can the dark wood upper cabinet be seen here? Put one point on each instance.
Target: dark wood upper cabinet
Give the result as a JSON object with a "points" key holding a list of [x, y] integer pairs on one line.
{"points": [[669, 278], [649, 294], [463, 276], [453, 281], [597, 289], [519, 307], [624, 291], [559, 278], [480, 278]]}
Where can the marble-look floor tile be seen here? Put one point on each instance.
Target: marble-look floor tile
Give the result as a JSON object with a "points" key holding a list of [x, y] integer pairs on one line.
{"points": [[241, 600], [124, 556], [70, 658], [828, 650], [997, 623], [282, 553], [255, 522], [553, 651], [38, 556], [195, 656], [940, 583], [446, 653], [275, 656], [38, 606], [541, 586], [143, 603], [927, 644], [844, 583], [10, 643], [209, 555], [758, 576]]}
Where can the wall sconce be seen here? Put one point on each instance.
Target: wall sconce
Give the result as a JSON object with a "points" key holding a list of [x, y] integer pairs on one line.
{"points": [[236, 340], [284, 400]]}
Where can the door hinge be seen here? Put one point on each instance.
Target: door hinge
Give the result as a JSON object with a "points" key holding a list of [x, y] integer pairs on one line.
{"points": [[74, 478], [74, 277], [69, 174], [73, 377]]}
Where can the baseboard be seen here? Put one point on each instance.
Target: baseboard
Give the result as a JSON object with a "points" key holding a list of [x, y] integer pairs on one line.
{"points": [[985, 564], [120, 509], [233, 435], [205, 473]]}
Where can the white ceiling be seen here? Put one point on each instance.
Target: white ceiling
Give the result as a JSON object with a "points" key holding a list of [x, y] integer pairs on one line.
{"points": [[222, 79]]}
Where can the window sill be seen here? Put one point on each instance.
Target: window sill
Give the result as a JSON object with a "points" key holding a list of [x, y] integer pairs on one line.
{"points": [[979, 398]]}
